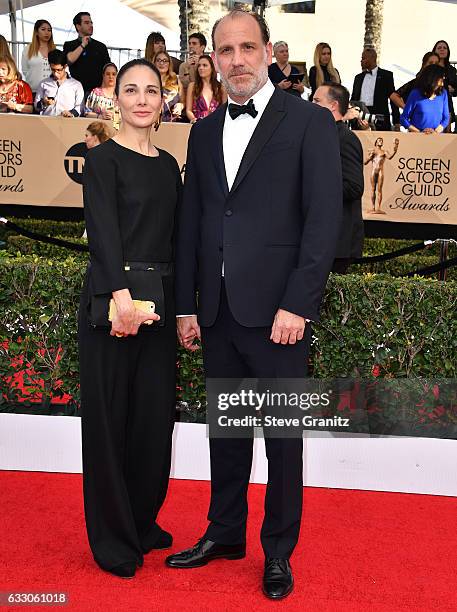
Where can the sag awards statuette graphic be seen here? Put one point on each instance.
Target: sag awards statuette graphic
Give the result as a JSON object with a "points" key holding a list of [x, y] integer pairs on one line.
{"points": [[410, 178], [74, 162], [378, 157]]}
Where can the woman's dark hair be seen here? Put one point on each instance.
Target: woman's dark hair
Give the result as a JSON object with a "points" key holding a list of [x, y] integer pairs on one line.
{"points": [[427, 56], [136, 62], [446, 59], [427, 81], [215, 85]]}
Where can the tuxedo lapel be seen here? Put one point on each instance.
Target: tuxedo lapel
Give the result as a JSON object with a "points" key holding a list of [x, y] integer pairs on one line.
{"points": [[271, 117], [217, 148]]}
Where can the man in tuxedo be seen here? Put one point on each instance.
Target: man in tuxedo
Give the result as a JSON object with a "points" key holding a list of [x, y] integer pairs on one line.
{"points": [[257, 234], [335, 97], [374, 87]]}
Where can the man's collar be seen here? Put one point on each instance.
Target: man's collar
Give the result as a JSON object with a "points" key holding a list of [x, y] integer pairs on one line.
{"points": [[260, 98]]}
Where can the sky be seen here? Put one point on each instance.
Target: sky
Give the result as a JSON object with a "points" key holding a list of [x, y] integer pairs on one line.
{"points": [[114, 23]]}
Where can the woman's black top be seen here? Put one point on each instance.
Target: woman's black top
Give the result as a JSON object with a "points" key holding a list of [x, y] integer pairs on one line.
{"points": [[406, 89], [313, 78], [450, 78], [130, 204], [276, 75]]}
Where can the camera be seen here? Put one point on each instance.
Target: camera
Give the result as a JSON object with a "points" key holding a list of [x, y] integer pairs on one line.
{"points": [[365, 115]]}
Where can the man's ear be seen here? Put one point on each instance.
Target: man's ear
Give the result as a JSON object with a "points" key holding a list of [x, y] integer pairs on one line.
{"points": [[214, 58], [269, 47]]}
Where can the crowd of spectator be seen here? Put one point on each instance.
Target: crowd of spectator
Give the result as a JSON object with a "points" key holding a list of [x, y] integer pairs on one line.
{"points": [[80, 80]]}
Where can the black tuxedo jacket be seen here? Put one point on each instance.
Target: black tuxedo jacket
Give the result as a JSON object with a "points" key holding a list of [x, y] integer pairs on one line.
{"points": [[275, 230], [383, 89], [350, 242]]}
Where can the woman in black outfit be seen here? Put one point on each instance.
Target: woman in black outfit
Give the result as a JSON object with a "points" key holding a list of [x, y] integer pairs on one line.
{"points": [[400, 97], [323, 70], [131, 193], [279, 71], [442, 50]]}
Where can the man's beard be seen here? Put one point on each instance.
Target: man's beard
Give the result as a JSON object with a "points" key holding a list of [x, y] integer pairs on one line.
{"points": [[259, 79]]}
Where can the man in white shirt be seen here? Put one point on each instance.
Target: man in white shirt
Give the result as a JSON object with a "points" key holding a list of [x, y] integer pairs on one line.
{"points": [[59, 94], [374, 86], [257, 234]]}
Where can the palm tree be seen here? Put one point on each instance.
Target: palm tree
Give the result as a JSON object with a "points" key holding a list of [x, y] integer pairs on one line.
{"points": [[373, 24], [193, 17]]}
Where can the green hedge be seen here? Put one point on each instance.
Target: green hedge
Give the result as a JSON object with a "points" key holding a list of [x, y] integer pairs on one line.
{"points": [[48, 227], [20, 245], [402, 328]]}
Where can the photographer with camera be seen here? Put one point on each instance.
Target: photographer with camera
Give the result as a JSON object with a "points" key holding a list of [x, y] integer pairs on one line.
{"points": [[374, 86], [335, 97]]}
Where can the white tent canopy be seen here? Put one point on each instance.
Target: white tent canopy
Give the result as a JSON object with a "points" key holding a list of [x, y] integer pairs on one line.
{"points": [[10, 7]]}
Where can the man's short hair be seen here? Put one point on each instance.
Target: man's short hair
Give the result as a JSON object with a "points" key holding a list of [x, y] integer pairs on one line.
{"points": [[371, 51], [79, 17], [338, 93], [201, 38], [237, 12], [56, 57]]}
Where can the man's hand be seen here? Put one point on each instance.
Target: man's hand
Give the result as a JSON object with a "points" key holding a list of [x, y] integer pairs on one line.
{"points": [[288, 328], [85, 40], [428, 131], [188, 331], [66, 113]]}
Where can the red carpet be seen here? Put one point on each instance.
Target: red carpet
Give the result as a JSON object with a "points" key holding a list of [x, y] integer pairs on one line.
{"points": [[358, 551]]}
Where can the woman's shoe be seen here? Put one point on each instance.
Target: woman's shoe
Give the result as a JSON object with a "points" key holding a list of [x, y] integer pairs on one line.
{"points": [[125, 570], [163, 541]]}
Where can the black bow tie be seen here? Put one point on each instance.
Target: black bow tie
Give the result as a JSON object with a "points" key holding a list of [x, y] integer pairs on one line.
{"points": [[235, 110], [368, 71]]}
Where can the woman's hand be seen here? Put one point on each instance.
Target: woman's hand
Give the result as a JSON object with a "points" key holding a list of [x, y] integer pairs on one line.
{"points": [[298, 87], [284, 84], [428, 131], [106, 114], [128, 318]]}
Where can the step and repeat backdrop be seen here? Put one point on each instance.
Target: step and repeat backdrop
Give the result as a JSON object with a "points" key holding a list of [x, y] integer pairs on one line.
{"points": [[409, 178]]}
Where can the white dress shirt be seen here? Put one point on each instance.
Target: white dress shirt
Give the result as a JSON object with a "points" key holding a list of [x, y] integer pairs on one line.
{"points": [[237, 134], [368, 85], [68, 96]]}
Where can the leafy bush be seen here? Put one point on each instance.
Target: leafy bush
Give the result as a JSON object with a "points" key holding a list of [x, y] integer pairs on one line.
{"points": [[372, 325]]}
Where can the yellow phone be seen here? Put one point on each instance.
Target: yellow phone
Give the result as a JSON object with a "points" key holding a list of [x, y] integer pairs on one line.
{"points": [[146, 306]]}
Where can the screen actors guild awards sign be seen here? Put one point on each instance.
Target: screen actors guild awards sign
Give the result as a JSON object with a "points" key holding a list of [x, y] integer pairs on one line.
{"points": [[10, 165], [409, 178]]}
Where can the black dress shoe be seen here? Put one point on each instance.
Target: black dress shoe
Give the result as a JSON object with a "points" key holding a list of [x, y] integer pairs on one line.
{"points": [[278, 581], [204, 552], [163, 541]]}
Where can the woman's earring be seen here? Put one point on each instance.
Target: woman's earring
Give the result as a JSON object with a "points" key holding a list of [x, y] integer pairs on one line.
{"points": [[158, 122]]}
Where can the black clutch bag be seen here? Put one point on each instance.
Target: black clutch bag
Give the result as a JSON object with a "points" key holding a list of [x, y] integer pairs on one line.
{"points": [[145, 283]]}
